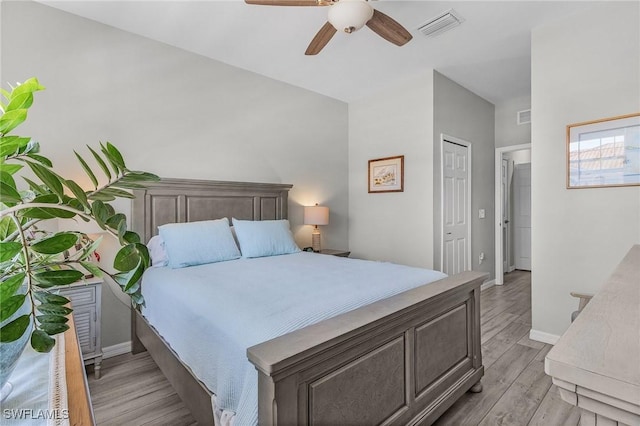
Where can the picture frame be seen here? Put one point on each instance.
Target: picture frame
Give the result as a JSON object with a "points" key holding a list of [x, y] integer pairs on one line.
{"points": [[604, 153], [386, 174]]}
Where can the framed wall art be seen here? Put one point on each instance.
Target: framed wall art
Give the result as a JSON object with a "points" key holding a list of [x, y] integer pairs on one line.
{"points": [[386, 174], [603, 153]]}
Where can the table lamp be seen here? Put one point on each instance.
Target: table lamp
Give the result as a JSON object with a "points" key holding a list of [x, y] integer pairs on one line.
{"points": [[316, 215]]}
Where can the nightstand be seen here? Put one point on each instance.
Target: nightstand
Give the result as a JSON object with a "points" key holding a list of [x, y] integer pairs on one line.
{"points": [[86, 296], [339, 253]]}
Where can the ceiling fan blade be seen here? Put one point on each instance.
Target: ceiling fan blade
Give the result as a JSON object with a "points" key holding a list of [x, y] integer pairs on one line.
{"points": [[288, 2], [388, 29], [321, 39]]}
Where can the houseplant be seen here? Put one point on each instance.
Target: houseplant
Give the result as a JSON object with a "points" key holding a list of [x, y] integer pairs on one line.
{"points": [[33, 261]]}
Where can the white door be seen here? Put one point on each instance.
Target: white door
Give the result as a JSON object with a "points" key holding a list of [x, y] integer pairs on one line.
{"points": [[522, 215], [455, 200], [506, 207]]}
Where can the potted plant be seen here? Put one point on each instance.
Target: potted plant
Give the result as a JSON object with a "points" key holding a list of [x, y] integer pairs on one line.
{"points": [[33, 262]]}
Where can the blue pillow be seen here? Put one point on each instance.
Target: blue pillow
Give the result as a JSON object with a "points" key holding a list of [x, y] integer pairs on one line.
{"points": [[196, 243], [264, 237]]}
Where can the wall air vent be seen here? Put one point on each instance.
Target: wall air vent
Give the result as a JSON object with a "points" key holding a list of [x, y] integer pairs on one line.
{"points": [[441, 23], [524, 117]]}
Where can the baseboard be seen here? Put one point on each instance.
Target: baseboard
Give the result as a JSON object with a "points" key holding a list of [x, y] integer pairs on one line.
{"points": [[543, 337], [487, 284], [115, 350], [511, 268]]}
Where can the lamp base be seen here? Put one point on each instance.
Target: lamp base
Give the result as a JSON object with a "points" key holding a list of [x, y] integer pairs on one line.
{"points": [[315, 240]]}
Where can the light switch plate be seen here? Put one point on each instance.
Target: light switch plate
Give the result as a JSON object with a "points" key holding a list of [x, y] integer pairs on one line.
{"points": [[481, 213]]}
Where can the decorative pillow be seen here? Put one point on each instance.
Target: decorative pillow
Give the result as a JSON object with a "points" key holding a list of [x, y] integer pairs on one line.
{"points": [[196, 243], [157, 251], [264, 237]]}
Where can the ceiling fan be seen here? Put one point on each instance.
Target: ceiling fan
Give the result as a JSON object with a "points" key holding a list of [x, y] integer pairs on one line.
{"points": [[348, 16]]}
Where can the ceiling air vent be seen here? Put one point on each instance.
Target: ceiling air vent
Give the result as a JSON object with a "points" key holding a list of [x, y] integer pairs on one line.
{"points": [[524, 117], [441, 23]]}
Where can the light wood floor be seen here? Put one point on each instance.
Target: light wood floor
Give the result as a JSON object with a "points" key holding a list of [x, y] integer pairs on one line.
{"points": [[133, 391]]}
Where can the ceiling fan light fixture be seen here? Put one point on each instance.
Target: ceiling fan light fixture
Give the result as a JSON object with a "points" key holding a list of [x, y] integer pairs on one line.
{"points": [[350, 15]]}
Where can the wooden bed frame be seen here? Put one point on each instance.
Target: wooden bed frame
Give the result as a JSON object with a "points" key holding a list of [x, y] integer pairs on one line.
{"points": [[400, 361]]}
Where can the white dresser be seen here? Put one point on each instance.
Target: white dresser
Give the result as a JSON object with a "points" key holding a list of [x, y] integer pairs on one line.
{"points": [[86, 296]]}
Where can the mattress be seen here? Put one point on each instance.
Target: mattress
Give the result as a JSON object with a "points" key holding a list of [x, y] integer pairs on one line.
{"points": [[210, 314]]}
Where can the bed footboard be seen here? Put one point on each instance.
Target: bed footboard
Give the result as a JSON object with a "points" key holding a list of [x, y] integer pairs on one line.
{"points": [[403, 360]]}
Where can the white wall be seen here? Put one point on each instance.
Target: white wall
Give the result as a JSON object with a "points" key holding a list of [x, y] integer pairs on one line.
{"points": [[508, 131], [584, 67], [175, 114], [395, 226], [461, 113]]}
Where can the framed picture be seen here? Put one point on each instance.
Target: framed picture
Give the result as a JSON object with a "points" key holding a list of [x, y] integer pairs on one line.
{"points": [[386, 174], [605, 152]]}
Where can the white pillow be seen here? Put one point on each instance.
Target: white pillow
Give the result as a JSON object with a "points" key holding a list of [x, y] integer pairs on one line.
{"points": [[262, 238], [157, 251], [196, 243]]}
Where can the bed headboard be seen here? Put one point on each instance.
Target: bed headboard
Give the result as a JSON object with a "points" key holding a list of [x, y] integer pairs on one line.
{"points": [[187, 200]]}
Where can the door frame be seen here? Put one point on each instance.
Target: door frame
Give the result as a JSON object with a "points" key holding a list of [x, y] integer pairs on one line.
{"points": [[446, 138], [498, 207]]}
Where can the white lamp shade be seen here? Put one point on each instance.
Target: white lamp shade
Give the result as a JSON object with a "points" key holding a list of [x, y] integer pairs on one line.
{"points": [[350, 15], [316, 215]]}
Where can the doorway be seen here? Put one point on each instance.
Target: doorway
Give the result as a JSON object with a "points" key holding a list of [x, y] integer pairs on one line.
{"points": [[513, 228], [456, 205]]}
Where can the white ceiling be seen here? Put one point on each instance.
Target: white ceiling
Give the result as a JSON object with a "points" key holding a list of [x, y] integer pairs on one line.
{"points": [[489, 53]]}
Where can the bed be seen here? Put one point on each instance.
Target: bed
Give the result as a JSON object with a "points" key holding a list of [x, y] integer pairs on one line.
{"points": [[403, 359]]}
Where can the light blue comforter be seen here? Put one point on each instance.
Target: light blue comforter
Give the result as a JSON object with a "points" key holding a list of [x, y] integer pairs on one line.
{"points": [[212, 313]]}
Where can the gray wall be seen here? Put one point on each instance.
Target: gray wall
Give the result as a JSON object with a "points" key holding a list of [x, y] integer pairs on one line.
{"points": [[584, 67], [397, 226], [508, 131], [176, 114], [461, 113]]}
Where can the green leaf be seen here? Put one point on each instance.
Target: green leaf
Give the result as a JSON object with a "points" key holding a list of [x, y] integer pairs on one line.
{"points": [[129, 280], [127, 185], [8, 250], [40, 159], [135, 176], [12, 119], [127, 258], [112, 162], [92, 268], [8, 179], [100, 212], [131, 237], [41, 341], [7, 227], [15, 329], [137, 299], [114, 221], [21, 101], [46, 297], [59, 277], [56, 244], [52, 318], [9, 195], [11, 305], [10, 285], [100, 162], [38, 189], [52, 328], [11, 144], [29, 86], [87, 170], [12, 169], [100, 196], [115, 155], [46, 213], [78, 192], [53, 181], [51, 309], [118, 193]]}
